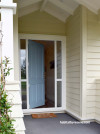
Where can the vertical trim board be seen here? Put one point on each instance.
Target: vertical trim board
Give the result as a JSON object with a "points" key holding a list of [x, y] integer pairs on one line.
{"points": [[83, 61]]}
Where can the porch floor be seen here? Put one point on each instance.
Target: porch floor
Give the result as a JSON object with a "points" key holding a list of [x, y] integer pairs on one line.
{"points": [[53, 126]]}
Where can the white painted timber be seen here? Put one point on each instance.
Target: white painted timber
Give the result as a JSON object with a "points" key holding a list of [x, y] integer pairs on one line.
{"points": [[43, 5], [68, 6], [16, 111], [12, 87], [62, 6], [56, 8], [28, 10], [98, 101], [13, 96], [63, 80], [73, 63], [7, 42], [8, 4], [13, 91], [21, 132], [83, 61], [25, 3], [54, 11], [19, 125], [6, 1], [88, 4]]}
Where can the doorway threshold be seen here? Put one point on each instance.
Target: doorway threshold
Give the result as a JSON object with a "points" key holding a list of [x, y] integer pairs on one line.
{"points": [[43, 110]]}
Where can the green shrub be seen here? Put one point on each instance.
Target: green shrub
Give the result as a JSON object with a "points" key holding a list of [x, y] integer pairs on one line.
{"points": [[6, 122]]}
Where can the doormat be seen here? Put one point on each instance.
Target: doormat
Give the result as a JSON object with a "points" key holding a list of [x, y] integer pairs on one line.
{"points": [[44, 115]]}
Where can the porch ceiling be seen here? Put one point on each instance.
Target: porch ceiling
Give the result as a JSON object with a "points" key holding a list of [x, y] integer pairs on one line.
{"points": [[60, 9]]}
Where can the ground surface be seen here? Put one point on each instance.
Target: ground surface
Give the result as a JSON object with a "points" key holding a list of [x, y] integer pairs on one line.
{"points": [[53, 126]]}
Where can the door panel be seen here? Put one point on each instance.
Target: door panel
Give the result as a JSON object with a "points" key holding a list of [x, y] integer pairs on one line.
{"points": [[36, 74]]}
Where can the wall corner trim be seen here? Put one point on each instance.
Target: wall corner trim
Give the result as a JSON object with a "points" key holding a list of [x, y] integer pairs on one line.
{"points": [[83, 58]]}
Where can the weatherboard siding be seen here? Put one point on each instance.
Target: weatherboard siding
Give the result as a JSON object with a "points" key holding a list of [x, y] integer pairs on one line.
{"points": [[93, 66], [73, 63]]}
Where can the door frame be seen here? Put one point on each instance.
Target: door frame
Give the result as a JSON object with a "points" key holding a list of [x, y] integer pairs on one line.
{"points": [[46, 38]]}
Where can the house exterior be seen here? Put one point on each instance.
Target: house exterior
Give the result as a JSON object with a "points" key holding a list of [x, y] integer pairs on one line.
{"points": [[76, 23]]}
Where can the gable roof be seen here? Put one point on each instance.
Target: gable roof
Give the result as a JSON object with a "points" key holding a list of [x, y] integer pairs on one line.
{"points": [[60, 9]]}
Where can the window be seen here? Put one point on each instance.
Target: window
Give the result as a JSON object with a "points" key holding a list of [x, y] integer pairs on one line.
{"points": [[23, 73]]}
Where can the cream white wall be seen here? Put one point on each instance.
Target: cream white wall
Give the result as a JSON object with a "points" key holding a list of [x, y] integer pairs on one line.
{"points": [[80, 99], [93, 66], [83, 64], [73, 29], [41, 23]]}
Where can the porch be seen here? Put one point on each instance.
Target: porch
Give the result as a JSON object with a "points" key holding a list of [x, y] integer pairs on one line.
{"points": [[53, 126], [78, 22]]}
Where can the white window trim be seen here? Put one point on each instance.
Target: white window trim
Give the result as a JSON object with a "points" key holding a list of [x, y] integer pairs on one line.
{"points": [[48, 38]]}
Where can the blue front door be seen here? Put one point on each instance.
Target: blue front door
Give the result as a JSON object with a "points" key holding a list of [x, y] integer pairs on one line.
{"points": [[36, 74]]}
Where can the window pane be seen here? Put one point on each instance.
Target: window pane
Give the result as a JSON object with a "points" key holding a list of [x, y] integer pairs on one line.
{"points": [[24, 95], [59, 60], [59, 94], [23, 58]]}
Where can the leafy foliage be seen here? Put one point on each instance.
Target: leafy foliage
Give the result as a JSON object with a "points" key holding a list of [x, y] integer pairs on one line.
{"points": [[23, 70], [6, 122]]}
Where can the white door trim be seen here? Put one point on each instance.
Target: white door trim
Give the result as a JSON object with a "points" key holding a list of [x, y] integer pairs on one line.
{"points": [[49, 38]]}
